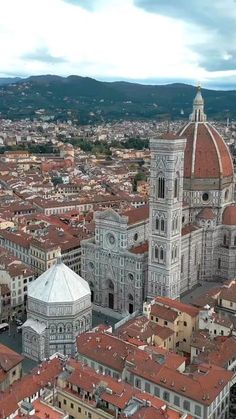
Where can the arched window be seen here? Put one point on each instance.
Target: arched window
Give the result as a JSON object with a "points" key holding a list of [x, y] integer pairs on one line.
{"points": [[161, 187], [157, 223], [176, 223], [130, 297], [156, 252], [173, 224], [162, 225], [176, 188], [182, 264], [161, 254], [225, 240], [176, 250], [110, 284]]}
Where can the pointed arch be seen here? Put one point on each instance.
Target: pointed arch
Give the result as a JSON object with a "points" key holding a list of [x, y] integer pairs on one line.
{"points": [[156, 252], [161, 254], [161, 186], [176, 185], [162, 224]]}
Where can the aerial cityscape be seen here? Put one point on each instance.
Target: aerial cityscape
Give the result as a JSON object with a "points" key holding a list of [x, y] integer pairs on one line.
{"points": [[118, 209]]}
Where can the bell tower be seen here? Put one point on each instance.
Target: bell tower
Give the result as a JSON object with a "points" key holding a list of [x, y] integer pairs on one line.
{"points": [[166, 194]]}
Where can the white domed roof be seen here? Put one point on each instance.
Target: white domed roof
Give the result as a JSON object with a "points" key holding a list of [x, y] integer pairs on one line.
{"points": [[59, 284]]}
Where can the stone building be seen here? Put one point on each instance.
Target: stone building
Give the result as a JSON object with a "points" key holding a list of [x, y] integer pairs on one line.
{"points": [[115, 261], [190, 234], [58, 310]]}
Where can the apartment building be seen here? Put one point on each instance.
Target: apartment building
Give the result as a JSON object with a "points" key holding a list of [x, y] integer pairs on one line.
{"points": [[16, 276], [202, 391], [84, 393], [40, 251], [10, 367], [181, 318]]}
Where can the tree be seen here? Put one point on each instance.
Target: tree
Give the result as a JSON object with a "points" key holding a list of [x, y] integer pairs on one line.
{"points": [[139, 176]]}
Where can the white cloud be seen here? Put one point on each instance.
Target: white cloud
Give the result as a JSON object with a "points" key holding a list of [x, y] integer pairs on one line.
{"points": [[117, 40]]}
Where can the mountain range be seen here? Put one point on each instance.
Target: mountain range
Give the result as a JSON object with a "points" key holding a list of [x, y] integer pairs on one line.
{"points": [[91, 101]]}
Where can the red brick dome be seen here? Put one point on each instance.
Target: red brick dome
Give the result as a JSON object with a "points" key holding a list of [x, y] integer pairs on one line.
{"points": [[229, 216], [206, 154]]}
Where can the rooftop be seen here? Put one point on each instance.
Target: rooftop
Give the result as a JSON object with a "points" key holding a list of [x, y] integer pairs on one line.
{"points": [[59, 284]]}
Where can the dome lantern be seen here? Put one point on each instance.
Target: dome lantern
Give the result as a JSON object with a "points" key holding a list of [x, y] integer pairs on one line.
{"points": [[198, 114]]}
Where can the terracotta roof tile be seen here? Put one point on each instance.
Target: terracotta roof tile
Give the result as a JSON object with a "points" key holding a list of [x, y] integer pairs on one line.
{"points": [[165, 313], [206, 214], [137, 215], [140, 249], [9, 358], [178, 305]]}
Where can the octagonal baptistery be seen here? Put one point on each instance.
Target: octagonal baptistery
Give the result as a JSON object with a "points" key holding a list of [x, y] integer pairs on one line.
{"points": [[58, 309], [208, 166]]}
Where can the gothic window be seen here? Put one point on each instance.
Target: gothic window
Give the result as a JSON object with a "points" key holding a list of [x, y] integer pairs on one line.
{"points": [[157, 223], [130, 297], [219, 263], [161, 187], [182, 264], [52, 329], [176, 252], [161, 254], [162, 225], [176, 188], [156, 252], [110, 284]]}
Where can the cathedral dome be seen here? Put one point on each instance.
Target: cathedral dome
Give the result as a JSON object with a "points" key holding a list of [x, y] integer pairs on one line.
{"points": [[229, 215], [59, 284], [206, 154]]}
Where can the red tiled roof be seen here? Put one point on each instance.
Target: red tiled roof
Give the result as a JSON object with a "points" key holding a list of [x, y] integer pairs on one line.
{"points": [[142, 329], [196, 386], [28, 385], [228, 292], [137, 215], [9, 358], [216, 352], [206, 214], [104, 348], [165, 313], [170, 136], [185, 308], [141, 248], [189, 229], [18, 237]]}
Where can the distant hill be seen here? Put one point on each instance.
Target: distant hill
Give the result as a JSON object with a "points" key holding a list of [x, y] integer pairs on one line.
{"points": [[89, 101], [9, 80]]}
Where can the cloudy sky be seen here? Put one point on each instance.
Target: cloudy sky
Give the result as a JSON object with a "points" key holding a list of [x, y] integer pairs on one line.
{"points": [[149, 41]]}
